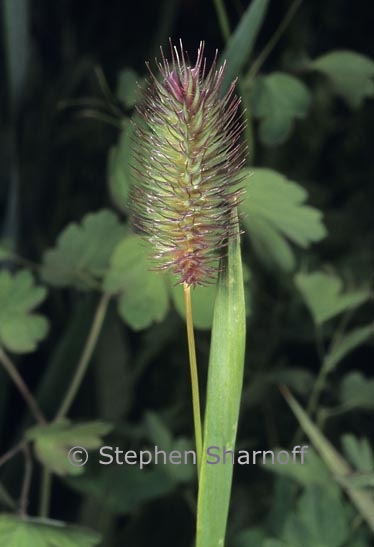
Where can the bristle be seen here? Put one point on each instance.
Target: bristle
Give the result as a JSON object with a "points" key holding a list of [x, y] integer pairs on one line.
{"points": [[188, 161]]}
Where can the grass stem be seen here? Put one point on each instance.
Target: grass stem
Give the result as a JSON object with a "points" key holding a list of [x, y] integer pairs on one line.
{"points": [[194, 377]]}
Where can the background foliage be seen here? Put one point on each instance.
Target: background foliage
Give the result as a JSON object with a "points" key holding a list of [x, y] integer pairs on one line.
{"points": [[70, 71]]}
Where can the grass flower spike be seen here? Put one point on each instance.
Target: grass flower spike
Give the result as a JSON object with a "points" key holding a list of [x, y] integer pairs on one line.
{"points": [[188, 163]]}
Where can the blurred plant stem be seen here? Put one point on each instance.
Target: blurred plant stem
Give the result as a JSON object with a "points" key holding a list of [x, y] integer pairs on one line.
{"points": [[324, 371], [264, 54], [85, 359], [45, 493], [24, 499], [11, 369]]}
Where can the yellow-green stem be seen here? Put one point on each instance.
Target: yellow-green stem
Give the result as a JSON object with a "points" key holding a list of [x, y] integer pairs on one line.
{"points": [[194, 377]]}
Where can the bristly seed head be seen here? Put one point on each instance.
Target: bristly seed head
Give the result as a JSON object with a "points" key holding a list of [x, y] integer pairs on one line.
{"points": [[188, 163]]}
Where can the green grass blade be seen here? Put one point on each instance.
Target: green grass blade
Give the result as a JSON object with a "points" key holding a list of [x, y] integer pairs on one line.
{"points": [[363, 501], [225, 379], [240, 45]]}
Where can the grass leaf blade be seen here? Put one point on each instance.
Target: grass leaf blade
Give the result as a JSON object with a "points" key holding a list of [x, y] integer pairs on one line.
{"points": [[240, 45], [225, 379]]}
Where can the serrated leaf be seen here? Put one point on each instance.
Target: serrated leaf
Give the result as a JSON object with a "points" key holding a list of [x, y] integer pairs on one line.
{"points": [[53, 442], [81, 256], [20, 328], [34, 532], [143, 296], [241, 42], [357, 391], [278, 100], [311, 526], [359, 452], [122, 489], [324, 296], [274, 214], [348, 343], [351, 74]]}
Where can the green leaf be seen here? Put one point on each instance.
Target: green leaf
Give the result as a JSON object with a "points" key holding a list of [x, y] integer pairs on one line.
{"points": [[274, 213], [351, 75], [143, 296], [357, 391], [283, 499], [278, 100], [203, 299], [20, 329], [312, 471], [241, 42], [119, 166], [128, 90], [81, 256], [359, 452], [323, 295], [162, 438], [34, 532], [122, 489], [333, 460], [311, 526], [53, 442], [346, 344], [225, 377]]}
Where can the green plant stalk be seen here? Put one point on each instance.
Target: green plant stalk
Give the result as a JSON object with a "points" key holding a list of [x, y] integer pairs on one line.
{"points": [[45, 493], [85, 359], [22, 387], [257, 64], [194, 376], [225, 379]]}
